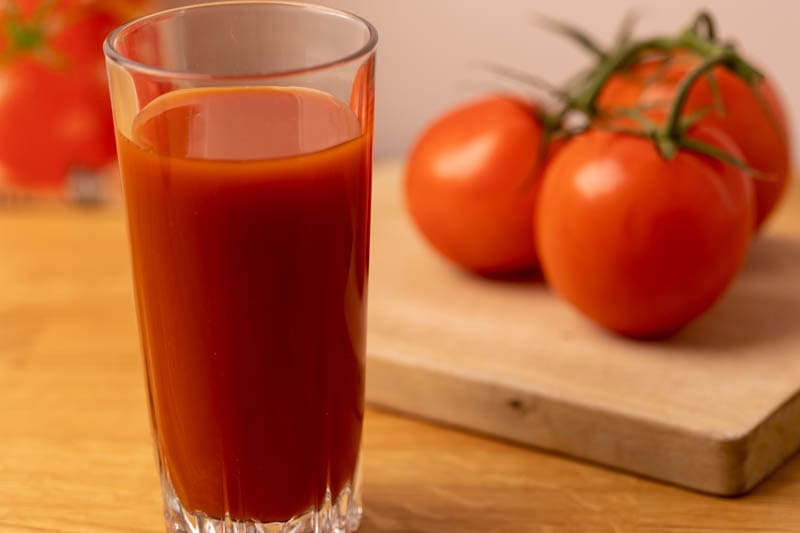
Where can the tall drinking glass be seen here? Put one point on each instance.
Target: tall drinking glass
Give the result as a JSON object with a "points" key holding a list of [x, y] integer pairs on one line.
{"points": [[244, 134]]}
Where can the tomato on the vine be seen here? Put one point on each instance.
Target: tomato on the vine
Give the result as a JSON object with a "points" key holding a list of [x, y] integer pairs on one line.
{"points": [[641, 244], [754, 120], [55, 113], [472, 182]]}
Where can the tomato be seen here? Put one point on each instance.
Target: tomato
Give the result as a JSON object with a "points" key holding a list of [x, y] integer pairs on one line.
{"points": [[639, 244], [55, 113], [761, 134], [472, 182], [32, 152]]}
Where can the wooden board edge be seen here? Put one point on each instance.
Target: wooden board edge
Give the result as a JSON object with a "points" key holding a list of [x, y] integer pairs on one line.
{"points": [[715, 464], [771, 443]]}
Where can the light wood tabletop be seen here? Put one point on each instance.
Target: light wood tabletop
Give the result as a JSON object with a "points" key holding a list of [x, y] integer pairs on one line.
{"points": [[75, 451]]}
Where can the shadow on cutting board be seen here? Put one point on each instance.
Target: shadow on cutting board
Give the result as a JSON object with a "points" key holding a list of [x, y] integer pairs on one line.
{"points": [[762, 306]]}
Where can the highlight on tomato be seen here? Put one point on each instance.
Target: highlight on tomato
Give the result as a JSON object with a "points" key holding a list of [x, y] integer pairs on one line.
{"points": [[472, 181]]}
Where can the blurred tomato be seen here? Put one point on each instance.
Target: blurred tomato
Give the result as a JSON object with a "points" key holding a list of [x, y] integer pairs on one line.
{"points": [[759, 128], [639, 244], [54, 109], [472, 182]]}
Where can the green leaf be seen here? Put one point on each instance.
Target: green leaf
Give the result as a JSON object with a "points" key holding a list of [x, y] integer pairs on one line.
{"points": [[673, 123], [716, 95], [573, 33], [687, 121], [704, 21], [700, 147], [668, 148], [24, 36], [529, 79], [626, 27]]}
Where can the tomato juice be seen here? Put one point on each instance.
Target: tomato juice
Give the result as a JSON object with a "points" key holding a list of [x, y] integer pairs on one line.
{"points": [[248, 212]]}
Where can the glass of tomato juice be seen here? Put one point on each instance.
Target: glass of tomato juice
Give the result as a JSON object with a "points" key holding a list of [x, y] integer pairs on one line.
{"points": [[244, 133]]}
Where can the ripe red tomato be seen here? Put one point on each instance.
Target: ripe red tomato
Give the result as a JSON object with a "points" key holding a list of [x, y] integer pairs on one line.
{"points": [[761, 135], [472, 182], [54, 109], [639, 244]]}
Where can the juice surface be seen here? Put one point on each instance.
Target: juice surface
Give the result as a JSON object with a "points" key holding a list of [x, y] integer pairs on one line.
{"points": [[248, 214]]}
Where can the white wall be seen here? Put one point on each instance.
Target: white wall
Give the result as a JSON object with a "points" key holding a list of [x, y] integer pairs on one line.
{"points": [[428, 47]]}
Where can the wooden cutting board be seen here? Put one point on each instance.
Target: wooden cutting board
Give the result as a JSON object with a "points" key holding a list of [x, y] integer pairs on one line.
{"points": [[716, 408]]}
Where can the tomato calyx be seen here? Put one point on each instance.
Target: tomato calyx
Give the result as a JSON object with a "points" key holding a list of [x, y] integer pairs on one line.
{"points": [[579, 108], [26, 35], [699, 38], [673, 135]]}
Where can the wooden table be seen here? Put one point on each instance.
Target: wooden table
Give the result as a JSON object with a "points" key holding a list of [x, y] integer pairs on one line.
{"points": [[75, 452]]}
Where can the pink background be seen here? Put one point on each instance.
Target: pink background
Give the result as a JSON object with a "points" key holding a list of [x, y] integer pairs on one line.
{"points": [[429, 48]]}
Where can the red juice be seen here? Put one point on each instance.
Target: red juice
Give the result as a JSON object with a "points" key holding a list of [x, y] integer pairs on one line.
{"points": [[248, 214]]}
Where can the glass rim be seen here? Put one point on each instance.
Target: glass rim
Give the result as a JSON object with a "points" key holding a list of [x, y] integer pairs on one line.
{"points": [[115, 56]]}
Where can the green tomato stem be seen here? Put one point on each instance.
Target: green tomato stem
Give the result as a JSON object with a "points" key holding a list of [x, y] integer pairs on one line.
{"points": [[672, 125], [706, 21]]}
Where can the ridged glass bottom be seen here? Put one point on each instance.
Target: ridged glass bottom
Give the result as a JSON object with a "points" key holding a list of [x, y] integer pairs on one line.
{"points": [[341, 516]]}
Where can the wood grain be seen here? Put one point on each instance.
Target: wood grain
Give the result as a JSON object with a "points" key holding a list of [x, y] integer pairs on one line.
{"points": [[715, 408], [75, 453]]}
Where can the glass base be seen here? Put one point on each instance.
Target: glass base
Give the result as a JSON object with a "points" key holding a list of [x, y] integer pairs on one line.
{"points": [[341, 516]]}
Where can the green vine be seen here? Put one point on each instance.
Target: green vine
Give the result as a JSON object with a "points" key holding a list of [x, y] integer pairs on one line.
{"points": [[580, 96]]}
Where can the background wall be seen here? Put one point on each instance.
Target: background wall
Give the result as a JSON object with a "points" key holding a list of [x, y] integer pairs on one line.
{"points": [[429, 48]]}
